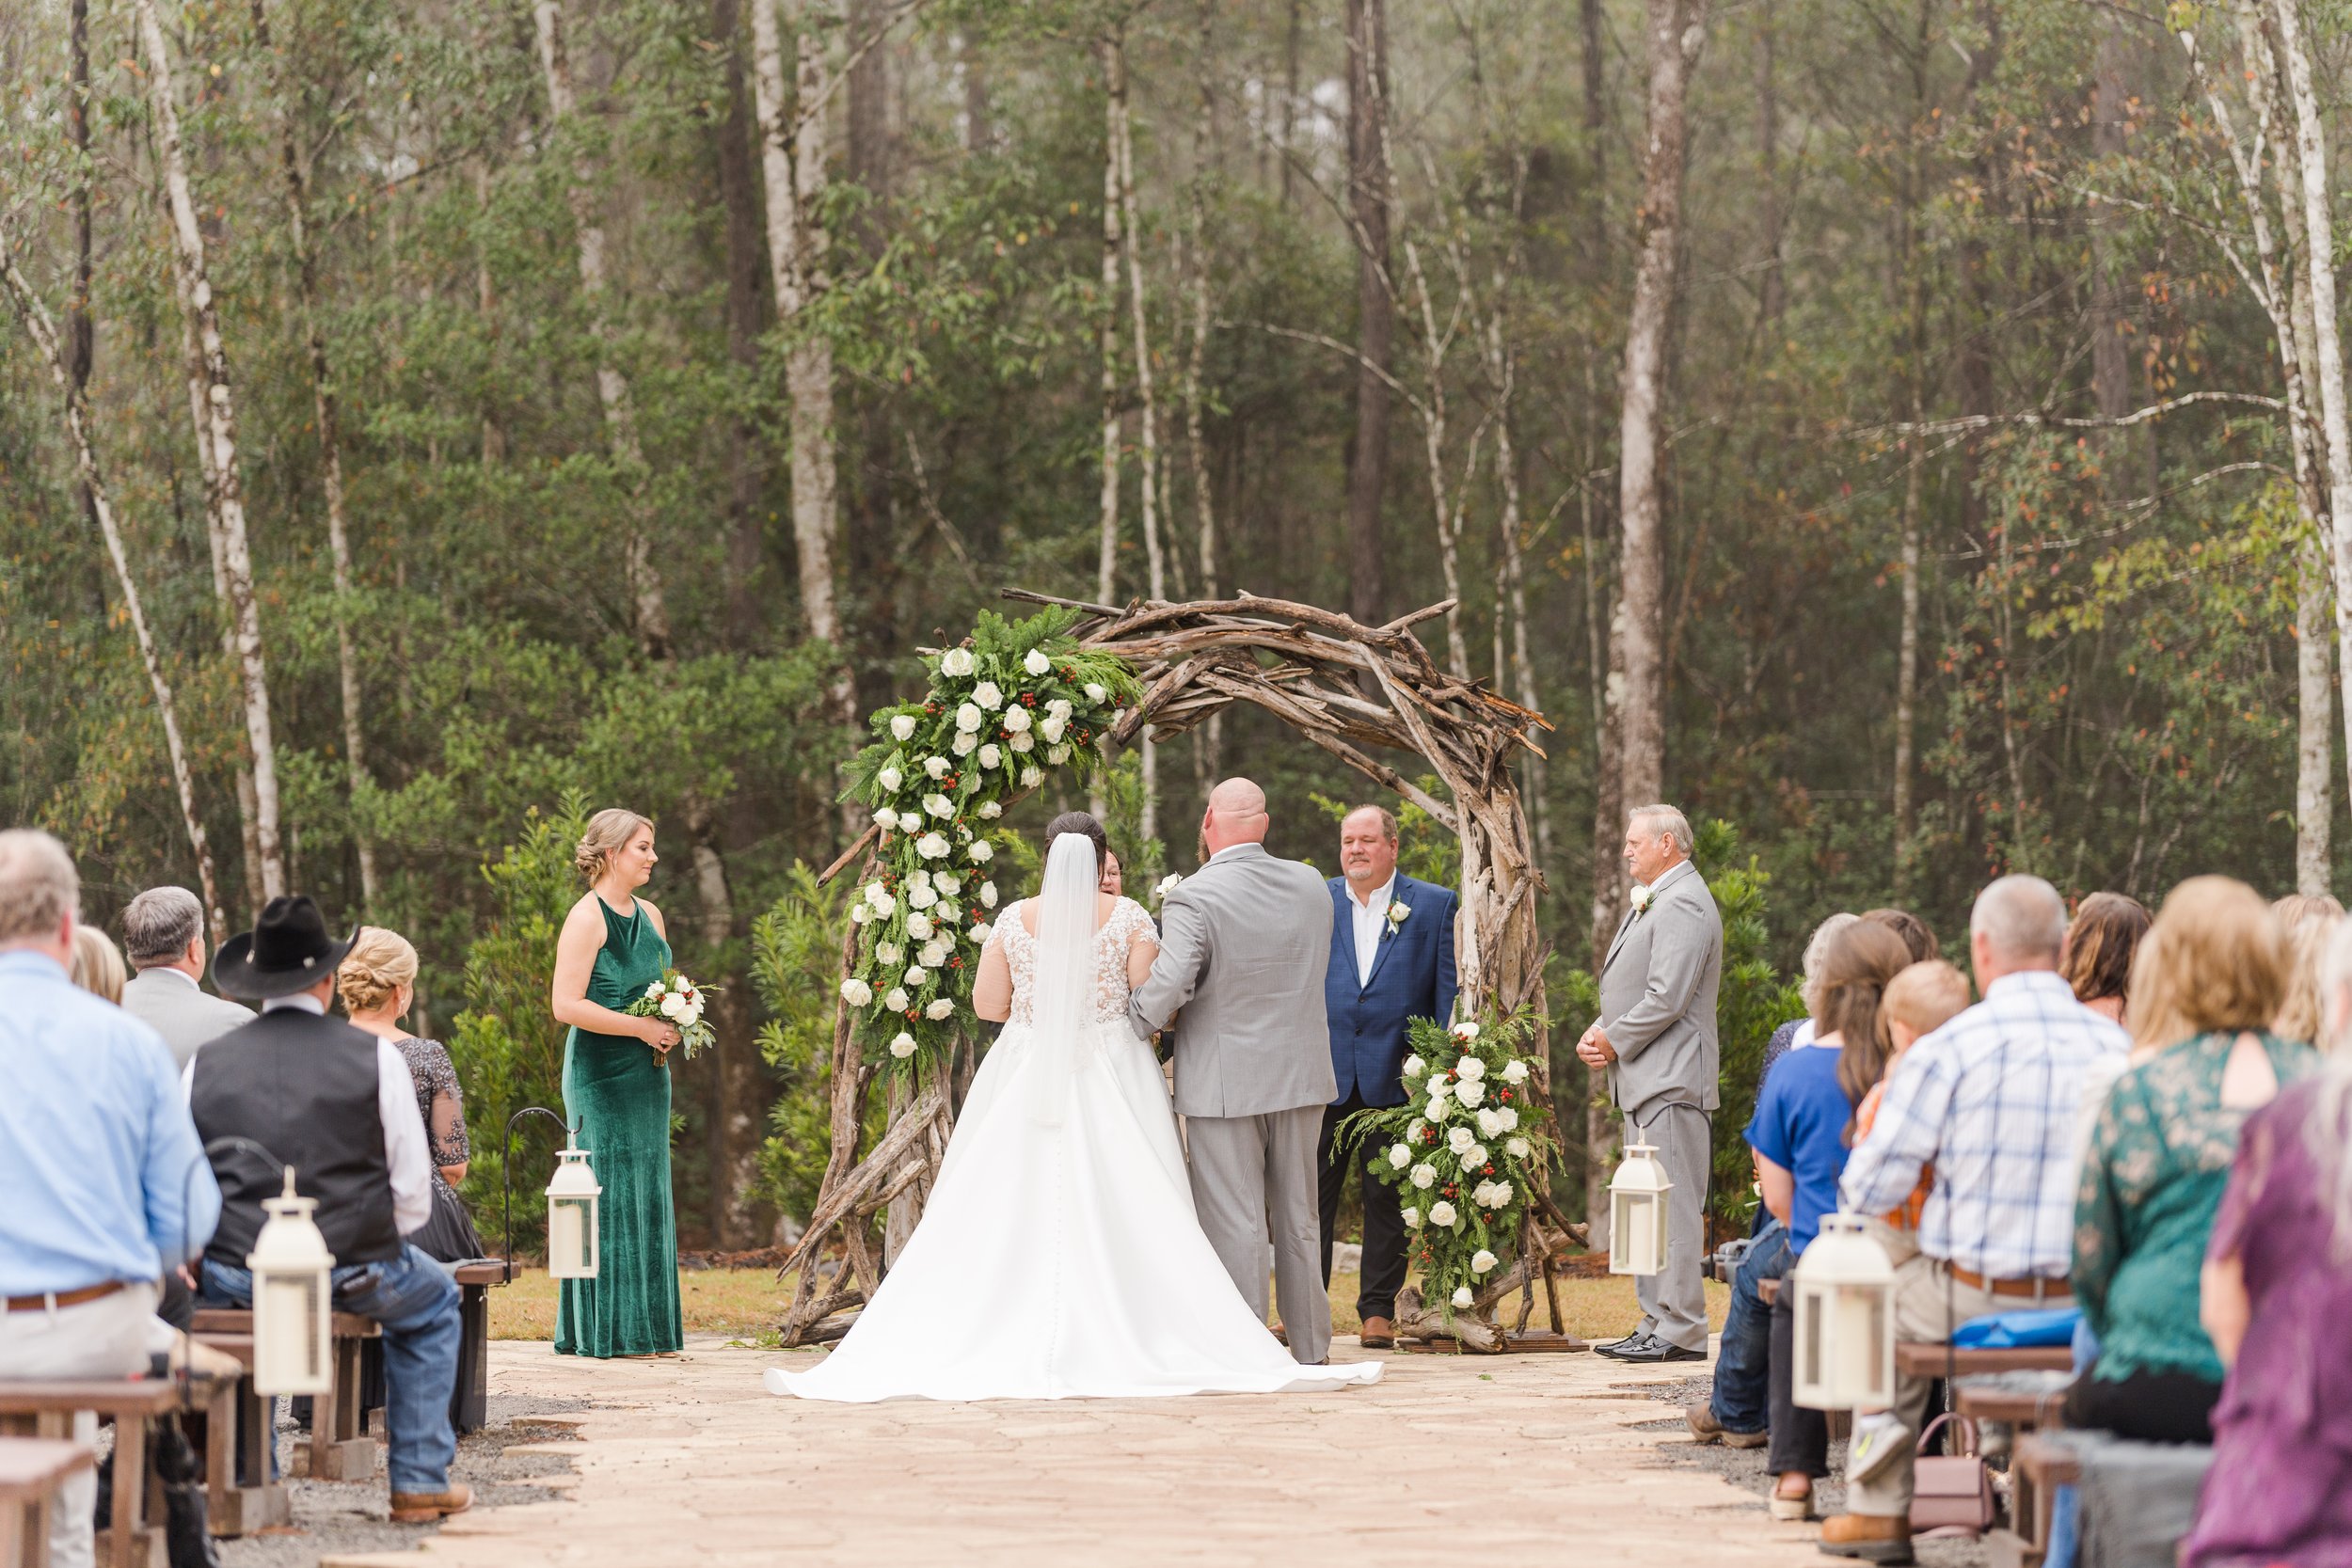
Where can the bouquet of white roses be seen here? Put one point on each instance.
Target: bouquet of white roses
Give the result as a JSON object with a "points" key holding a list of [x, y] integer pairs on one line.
{"points": [[679, 999]]}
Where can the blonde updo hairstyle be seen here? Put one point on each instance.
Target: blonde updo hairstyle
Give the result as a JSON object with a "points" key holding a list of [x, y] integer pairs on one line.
{"points": [[608, 830], [378, 964]]}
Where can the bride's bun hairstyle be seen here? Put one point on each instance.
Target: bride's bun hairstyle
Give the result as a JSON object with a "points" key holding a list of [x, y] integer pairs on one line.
{"points": [[1083, 825]]}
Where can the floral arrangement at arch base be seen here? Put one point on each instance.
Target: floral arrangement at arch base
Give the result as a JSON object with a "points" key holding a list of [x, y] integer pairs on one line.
{"points": [[1011, 704], [1466, 1152]]}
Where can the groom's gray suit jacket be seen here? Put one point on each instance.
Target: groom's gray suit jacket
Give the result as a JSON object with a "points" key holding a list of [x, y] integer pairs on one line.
{"points": [[1244, 943], [1658, 998]]}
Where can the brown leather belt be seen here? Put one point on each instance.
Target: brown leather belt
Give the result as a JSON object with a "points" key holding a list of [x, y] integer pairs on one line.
{"points": [[64, 1298], [2039, 1289]]}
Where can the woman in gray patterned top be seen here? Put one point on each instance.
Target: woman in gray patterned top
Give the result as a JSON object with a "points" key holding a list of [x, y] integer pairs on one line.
{"points": [[378, 981]]}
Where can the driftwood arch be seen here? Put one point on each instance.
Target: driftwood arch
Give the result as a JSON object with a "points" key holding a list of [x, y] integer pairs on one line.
{"points": [[1348, 688]]}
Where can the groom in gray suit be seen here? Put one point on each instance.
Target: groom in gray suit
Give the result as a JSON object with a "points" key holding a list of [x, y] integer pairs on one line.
{"points": [[1244, 943], [1656, 1038]]}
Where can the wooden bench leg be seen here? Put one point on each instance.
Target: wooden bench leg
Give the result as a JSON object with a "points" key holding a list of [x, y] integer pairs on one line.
{"points": [[469, 1405], [130, 1491], [338, 1449]]}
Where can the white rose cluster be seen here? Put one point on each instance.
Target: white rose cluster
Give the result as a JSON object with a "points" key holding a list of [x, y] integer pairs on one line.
{"points": [[1495, 1120], [1492, 1194]]}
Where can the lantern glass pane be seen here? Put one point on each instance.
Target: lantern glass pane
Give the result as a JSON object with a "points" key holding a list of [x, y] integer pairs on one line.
{"points": [[290, 1333], [568, 1238]]}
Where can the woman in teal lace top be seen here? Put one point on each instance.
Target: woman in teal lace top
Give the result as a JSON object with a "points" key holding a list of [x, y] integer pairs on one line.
{"points": [[2206, 981]]}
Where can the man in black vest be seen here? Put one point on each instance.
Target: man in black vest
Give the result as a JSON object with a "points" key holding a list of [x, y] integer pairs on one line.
{"points": [[339, 1107]]}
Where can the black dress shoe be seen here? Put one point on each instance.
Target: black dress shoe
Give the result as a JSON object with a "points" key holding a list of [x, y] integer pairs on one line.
{"points": [[1655, 1350], [1626, 1349], [1633, 1339]]}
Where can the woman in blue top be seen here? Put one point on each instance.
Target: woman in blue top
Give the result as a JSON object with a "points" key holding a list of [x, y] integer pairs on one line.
{"points": [[1803, 1121]]}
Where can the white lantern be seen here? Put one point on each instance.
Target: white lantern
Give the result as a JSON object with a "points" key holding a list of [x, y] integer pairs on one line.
{"points": [[1637, 1211], [572, 1194], [1845, 1327], [292, 1299]]}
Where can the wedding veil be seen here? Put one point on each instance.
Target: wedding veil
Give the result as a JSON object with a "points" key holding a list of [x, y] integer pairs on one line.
{"points": [[1065, 973]]}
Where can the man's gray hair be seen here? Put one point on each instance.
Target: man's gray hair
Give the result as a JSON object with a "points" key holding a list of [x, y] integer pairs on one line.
{"points": [[2022, 917], [159, 924], [1667, 821], [39, 887]]}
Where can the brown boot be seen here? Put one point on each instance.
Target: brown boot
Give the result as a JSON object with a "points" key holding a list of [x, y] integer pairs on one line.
{"points": [[1700, 1418], [1378, 1334], [1882, 1538], [423, 1508]]}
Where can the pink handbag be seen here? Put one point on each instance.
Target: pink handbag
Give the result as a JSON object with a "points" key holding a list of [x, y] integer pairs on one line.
{"points": [[1951, 1493]]}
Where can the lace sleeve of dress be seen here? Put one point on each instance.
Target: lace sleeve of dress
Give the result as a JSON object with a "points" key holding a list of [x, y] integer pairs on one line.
{"points": [[446, 1125]]}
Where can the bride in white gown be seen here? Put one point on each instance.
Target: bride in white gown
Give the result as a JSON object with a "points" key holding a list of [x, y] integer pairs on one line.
{"points": [[1058, 1256]]}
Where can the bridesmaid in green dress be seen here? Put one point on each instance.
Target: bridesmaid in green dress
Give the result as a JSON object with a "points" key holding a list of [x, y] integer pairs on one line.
{"points": [[616, 1090]]}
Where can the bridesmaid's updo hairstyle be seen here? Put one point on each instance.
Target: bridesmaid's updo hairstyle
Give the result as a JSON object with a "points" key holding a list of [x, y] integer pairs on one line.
{"points": [[378, 964], [1084, 827], [608, 830]]}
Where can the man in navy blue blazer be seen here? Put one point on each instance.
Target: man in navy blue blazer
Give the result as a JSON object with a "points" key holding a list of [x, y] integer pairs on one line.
{"points": [[1392, 961]]}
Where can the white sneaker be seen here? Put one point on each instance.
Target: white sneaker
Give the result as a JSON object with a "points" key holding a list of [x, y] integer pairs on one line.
{"points": [[1877, 1439]]}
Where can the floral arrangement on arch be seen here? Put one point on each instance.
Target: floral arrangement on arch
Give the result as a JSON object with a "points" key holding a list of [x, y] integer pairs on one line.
{"points": [[1011, 703], [1464, 1151]]}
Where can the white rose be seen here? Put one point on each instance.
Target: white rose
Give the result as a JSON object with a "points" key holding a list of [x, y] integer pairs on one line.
{"points": [[1462, 1296], [690, 1015], [957, 661], [885, 819], [896, 1000], [1469, 1067], [1059, 707], [1466, 1030], [1515, 1071], [1489, 1122], [948, 914], [1425, 1176], [1023, 742], [931, 846], [1469, 1091], [919, 927], [940, 1009], [964, 745], [939, 805], [860, 914], [1097, 694], [934, 954], [1508, 1118], [1167, 885], [673, 1005], [917, 976], [988, 696], [981, 851], [881, 898], [1441, 1106], [1473, 1157], [919, 878], [653, 990], [991, 811], [1502, 1195], [1516, 1147], [856, 992], [979, 931], [1032, 776], [1035, 663], [887, 953], [921, 898], [890, 779], [903, 726], [938, 768], [988, 895], [991, 755], [1460, 1138], [1051, 726], [902, 1045], [1058, 755], [1478, 1194], [1412, 1217], [1017, 720], [1483, 1260], [1413, 1131], [944, 880], [1442, 1212], [1415, 1067], [1399, 1156], [968, 717]]}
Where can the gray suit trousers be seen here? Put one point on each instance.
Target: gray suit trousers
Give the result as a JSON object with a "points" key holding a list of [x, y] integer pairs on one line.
{"points": [[1674, 1303], [1248, 1171]]}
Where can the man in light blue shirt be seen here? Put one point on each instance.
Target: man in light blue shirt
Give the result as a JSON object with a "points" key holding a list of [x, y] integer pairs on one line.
{"points": [[106, 1183]]}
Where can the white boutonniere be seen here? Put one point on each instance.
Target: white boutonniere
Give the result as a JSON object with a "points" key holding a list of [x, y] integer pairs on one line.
{"points": [[1167, 885], [1644, 896], [1399, 912]]}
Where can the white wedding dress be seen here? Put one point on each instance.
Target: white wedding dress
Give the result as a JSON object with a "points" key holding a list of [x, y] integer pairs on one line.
{"points": [[1060, 1256]]}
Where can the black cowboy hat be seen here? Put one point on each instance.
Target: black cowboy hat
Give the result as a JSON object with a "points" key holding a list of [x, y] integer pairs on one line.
{"points": [[287, 951]]}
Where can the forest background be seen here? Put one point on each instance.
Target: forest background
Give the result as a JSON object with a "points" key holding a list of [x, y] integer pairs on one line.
{"points": [[1911, 430]]}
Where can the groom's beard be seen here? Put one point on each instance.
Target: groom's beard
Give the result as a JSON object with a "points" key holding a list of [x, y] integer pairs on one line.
{"points": [[1204, 845]]}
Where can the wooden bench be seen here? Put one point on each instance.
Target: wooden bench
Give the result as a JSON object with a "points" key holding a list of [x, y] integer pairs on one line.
{"points": [[469, 1401], [340, 1447], [31, 1471], [46, 1410], [1929, 1359], [2014, 1408], [2036, 1469], [239, 1433]]}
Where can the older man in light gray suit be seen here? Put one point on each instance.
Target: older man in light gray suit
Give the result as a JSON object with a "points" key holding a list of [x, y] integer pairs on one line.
{"points": [[162, 935], [1244, 943], [1656, 1038]]}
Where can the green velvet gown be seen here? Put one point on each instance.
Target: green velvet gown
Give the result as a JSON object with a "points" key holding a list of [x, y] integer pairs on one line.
{"points": [[618, 1093]]}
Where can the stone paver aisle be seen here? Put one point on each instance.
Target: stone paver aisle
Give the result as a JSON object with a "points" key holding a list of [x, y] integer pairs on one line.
{"points": [[689, 1460]]}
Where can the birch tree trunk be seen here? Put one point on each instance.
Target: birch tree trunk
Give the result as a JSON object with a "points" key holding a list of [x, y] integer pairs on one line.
{"points": [[1114, 99], [43, 333], [328, 412], [1156, 558], [1208, 740], [1369, 188], [217, 443], [1914, 476]]}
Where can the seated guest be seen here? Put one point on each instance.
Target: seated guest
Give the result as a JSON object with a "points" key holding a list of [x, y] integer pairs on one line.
{"points": [[96, 1158], [1989, 1101], [2306, 921], [1914, 931], [2208, 982], [163, 934], [378, 982], [2277, 1293], [1798, 1031], [97, 966], [339, 1107], [1799, 1135], [1922, 999], [2100, 942]]}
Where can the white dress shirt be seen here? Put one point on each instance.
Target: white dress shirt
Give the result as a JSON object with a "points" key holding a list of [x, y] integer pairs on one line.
{"points": [[1372, 919], [405, 1150]]}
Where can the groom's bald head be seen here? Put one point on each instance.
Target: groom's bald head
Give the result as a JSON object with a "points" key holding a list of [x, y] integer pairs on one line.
{"points": [[1237, 814]]}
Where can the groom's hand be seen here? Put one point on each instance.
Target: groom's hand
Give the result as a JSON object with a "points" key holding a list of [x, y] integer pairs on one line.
{"points": [[1594, 1049]]}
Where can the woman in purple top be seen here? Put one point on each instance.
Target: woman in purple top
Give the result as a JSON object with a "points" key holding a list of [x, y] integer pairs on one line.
{"points": [[2278, 1292]]}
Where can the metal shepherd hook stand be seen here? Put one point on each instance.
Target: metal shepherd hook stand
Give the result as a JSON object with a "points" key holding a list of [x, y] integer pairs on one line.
{"points": [[572, 1201]]}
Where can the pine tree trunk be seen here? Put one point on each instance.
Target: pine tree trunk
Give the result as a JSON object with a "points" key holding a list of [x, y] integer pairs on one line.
{"points": [[1114, 97], [217, 443], [1368, 190], [738, 192], [1156, 558]]}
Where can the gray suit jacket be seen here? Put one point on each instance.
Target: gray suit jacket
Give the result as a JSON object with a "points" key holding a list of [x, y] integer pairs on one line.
{"points": [[1658, 999], [1244, 943], [187, 1017]]}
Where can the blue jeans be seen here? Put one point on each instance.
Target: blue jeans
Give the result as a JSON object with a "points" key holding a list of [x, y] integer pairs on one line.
{"points": [[1741, 1399], [416, 1304]]}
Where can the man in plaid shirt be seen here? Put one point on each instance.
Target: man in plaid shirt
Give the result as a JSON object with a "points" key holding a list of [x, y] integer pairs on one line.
{"points": [[1989, 1101]]}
